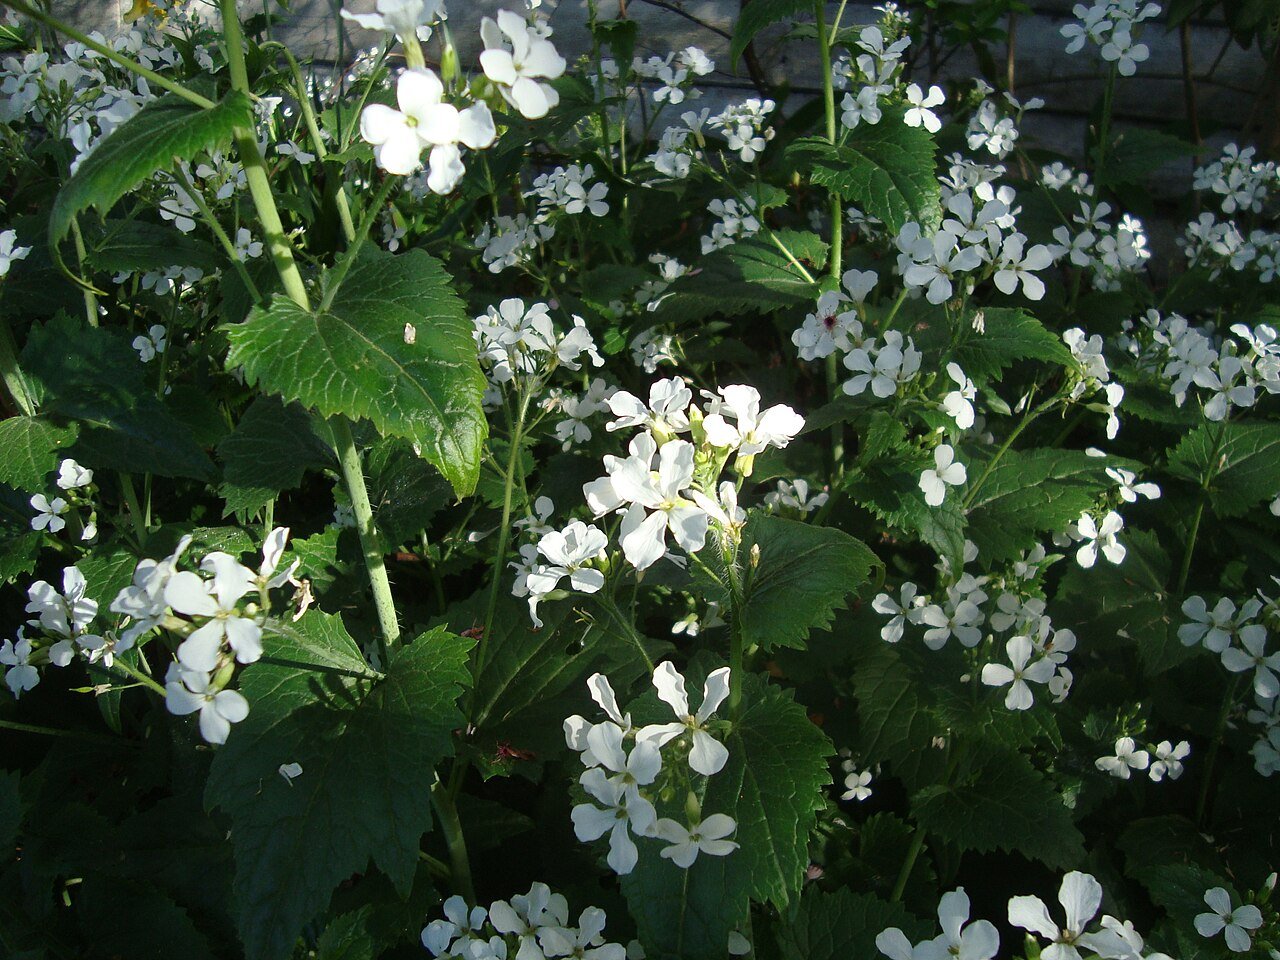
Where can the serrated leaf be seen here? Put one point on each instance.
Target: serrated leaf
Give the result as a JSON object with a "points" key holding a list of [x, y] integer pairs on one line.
{"points": [[269, 451], [895, 722], [886, 168], [1002, 802], [751, 276], [30, 449], [755, 16], [368, 750], [163, 131], [92, 375], [804, 575], [890, 489], [772, 786], [125, 246], [352, 359], [1030, 492], [842, 925], [405, 492], [1241, 460], [1008, 335]]}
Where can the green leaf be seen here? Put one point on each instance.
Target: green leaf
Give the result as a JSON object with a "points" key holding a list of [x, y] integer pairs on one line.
{"points": [[887, 169], [30, 449], [352, 359], [1029, 492], [1008, 335], [751, 276], [1001, 802], [165, 130], [269, 451], [1242, 460], [93, 375], [1137, 154], [772, 786], [755, 16], [842, 925], [804, 575], [405, 492], [347, 937], [368, 750], [890, 489], [895, 722], [133, 245]]}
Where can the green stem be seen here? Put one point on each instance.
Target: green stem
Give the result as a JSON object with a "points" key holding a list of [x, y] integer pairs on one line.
{"points": [[317, 141], [1210, 473], [218, 233], [908, 864], [15, 383], [451, 827], [334, 278], [1228, 702], [322, 668], [131, 671], [1025, 422], [163, 82], [1104, 127], [504, 531], [86, 289], [255, 168], [370, 542], [836, 257], [837, 428], [735, 634], [57, 732], [135, 509]]}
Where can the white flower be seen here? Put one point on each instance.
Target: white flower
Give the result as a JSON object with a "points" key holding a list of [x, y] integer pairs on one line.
{"points": [[657, 505], [66, 614], [569, 551], [48, 513], [1100, 537], [620, 808], [1019, 650], [217, 600], [404, 18], [946, 471], [438, 935], [21, 675], [865, 107], [272, 551], [9, 252], [518, 60], [1214, 628], [290, 772], [666, 413], [753, 431], [958, 404], [246, 247], [1080, 896], [1129, 489], [1016, 263], [425, 120], [187, 691], [900, 613], [585, 942], [151, 343], [706, 837], [1234, 925], [857, 786], [143, 600], [960, 940], [896, 363], [708, 755], [1253, 656], [1168, 761], [795, 494], [1127, 758], [919, 114], [72, 476]]}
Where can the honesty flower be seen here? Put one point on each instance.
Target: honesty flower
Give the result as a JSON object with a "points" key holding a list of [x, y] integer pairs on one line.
{"points": [[1234, 925], [585, 942], [438, 935], [21, 675], [857, 785], [706, 837], [152, 343], [187, 691], [753, 431], [1019, 650], [1168, 761], [1080, 896], [708, 755], [657, 505], [1127, 757], [1252, 655], [49, 513], [619, 808], [918, 113], [1213, 628], [66, 614], [1100, 538], [959, 940], [958, 404], [946, 471], [666, 413], [72, 476], [902, 612], [218, 600], [518, 60], [9, 252], [404, 18]]}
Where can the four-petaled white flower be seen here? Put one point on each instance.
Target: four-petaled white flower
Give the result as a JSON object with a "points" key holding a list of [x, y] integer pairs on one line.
{"points": [[658, 505], [519, 61], [568, 551], [1168, 761], [1080, 896], [152, 343], [187, 691], [666, 414], [706, 837], [946, 471], [1127, 758], [49, 513], [906, 610], [72, 476], [1100, 537], [1252, 655], [1017, 264], [1234, 925], [439, 935], [708, 755], [21, 675], [620, 808], [1214, 628], [404, 18], [919, 112], [958, 404], [218, 600], [9, 252], [857, 785], [1019, 673], [753, 432]]}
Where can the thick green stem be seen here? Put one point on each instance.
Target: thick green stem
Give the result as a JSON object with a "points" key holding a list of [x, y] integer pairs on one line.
{"points": [[159, 80], [908, 864], [836, 257], [86, 289], [255, 169], [451, 828], [735, 633], [370, 542]]}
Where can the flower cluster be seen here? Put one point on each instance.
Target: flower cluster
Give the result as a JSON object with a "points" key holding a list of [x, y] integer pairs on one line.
{"points": [[569, 189], [743, 126], [76, 487], [1127, 757], [1110, 25], [622, 782], [530, 926]]}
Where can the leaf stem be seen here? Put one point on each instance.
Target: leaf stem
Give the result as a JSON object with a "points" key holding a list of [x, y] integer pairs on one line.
{"points": [[59, 732], [334, 278], [908, 864], [322, 668], [115, 57], [134, 673], [1211, 471], [87, 290], [1025, 422], [370, 543], [451, 827]]}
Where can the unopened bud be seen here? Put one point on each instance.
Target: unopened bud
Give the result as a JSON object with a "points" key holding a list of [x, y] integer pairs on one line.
{"points": [[755, 555], [222, 676], [692, 808]]}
